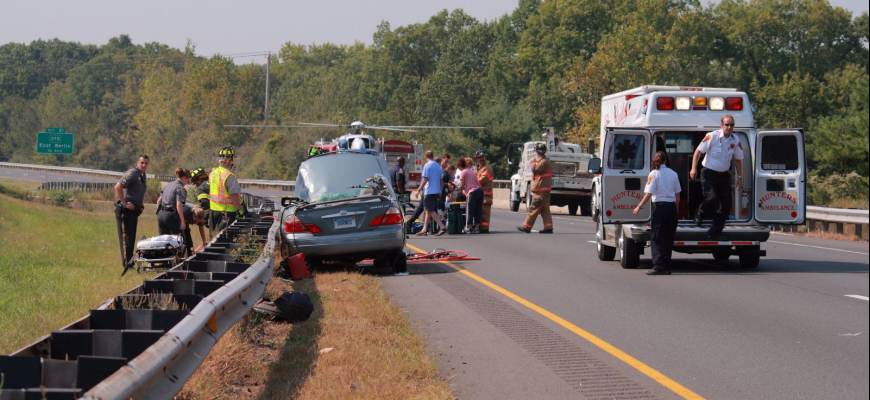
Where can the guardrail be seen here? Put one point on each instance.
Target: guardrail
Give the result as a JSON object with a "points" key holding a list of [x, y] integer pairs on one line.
{"points": [[143, 349], [822, 218]]}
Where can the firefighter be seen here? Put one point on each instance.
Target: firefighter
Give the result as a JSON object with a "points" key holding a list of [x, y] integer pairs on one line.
{"points": [[130, 191], [225, 198], [542, 173], [485, 177], [200, 181]]}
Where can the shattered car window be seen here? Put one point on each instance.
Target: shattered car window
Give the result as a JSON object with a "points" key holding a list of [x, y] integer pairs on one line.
{"points": [[336, 177]]}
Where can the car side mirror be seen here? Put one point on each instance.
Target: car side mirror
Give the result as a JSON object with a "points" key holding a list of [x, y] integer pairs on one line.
{"points": [[594, 166]]}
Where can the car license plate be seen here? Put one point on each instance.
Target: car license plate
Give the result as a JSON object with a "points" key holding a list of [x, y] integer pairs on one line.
{"points": [[559, 184], [344, 222]]}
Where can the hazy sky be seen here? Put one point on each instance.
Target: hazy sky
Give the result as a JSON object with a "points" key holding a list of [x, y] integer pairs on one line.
{"points": [[233, 27]]}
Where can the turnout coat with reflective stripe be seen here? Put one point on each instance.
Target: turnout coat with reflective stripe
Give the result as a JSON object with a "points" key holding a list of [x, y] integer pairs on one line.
{"points": [[219, 197], [542, 173], [485, 177]]}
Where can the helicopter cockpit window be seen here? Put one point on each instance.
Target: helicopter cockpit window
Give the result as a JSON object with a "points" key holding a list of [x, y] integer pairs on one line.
{"points": [[343, 145]]}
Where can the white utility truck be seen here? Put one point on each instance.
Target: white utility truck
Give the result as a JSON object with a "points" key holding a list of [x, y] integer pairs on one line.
{"points": [[572, 185], [637, 123]]}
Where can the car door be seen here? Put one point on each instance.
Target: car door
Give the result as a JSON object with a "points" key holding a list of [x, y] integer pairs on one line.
{"points": [[624, 175], [780, 177]]}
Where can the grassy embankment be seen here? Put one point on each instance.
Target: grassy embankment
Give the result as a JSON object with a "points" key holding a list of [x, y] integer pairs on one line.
{"points": [[57, 263]]}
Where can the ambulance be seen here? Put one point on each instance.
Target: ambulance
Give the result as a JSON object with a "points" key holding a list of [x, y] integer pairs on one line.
{"points": [[637, 123]]}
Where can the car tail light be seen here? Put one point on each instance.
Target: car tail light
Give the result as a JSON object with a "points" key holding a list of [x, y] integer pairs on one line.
{"points": [[392, 217], [294, 225], [734, 103], [665, 103]]}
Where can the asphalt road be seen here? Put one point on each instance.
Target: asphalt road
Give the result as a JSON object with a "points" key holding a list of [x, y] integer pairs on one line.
{"points": [[786, 330]]}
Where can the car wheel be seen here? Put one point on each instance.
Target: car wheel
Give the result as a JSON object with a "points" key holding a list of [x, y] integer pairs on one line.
{"points": [[721, 255], [313, 264], [629, 254], [605, 253], [400, 263], [572, 209]]}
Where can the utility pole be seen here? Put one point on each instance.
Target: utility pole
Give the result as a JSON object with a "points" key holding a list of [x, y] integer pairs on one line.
{"points": [[266, 108]]}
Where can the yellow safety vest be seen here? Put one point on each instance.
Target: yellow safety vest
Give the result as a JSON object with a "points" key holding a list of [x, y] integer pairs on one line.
{"points": [[218, 196]]}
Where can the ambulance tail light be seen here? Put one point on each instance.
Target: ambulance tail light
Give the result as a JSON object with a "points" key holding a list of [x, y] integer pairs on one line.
{"points": [[630, 96], [665, 103], [684, 103], [717, 103], [419, 162], [734, 103]]}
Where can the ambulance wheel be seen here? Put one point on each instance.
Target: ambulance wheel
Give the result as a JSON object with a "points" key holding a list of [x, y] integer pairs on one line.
{"points": [[400, 263], [572, 209], [721, 255], [605, 253], [749, 260], [629, 254], [515, 205]]}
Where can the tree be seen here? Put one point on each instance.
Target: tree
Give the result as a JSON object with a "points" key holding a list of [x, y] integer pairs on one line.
{"points": [[838, 144]]}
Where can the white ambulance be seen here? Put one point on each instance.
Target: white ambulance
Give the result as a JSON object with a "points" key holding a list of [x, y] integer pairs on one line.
{"points": [[637, 123]]}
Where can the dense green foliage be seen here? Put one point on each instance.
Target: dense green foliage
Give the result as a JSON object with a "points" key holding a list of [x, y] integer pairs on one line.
{"points": [[548, 63]]}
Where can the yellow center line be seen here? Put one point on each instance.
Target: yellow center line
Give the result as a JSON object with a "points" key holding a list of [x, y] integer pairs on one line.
{"points": [[657, 376]]}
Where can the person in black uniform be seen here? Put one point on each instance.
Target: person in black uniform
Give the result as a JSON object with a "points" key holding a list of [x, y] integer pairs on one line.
{"points": [[663, 187], [397, 175], [170, 217], [130, 191]]}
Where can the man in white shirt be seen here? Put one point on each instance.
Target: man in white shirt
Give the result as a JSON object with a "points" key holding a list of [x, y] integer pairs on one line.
{"points": [[720, 148]]}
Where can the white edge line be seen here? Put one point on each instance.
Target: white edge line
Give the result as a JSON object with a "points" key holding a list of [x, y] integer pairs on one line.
{"points": [[855, 296], [818, 247]]}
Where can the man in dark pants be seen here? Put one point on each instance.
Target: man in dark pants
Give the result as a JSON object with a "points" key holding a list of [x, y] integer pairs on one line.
{"points": [[663, 187], [130, 191], [720, 148]]}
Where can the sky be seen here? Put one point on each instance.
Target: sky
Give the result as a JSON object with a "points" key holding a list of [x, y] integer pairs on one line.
{"points": [[231, 27]]}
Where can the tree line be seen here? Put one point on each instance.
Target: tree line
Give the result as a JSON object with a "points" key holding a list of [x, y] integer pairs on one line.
{"points": [[804, 64]]}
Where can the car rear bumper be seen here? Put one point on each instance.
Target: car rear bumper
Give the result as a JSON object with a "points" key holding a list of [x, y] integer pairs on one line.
{"points": [[383, 239], [742, 235]]}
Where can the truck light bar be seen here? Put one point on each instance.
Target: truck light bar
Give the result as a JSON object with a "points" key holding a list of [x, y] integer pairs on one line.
{"points": [[718, 243], [699, 103]]}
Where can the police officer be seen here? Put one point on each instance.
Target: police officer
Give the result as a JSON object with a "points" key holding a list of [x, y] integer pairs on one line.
{"points": [[719, 147], [130, 191], [225, 199], [397, 175], [170, 217], [542, 174], [485, 176], [663, 187]]}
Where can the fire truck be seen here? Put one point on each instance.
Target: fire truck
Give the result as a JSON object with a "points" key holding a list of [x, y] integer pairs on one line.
{"points": [[637, 123]]}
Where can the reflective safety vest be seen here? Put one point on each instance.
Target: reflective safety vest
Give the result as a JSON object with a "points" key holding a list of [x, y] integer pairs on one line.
{"points": [[543, 176], [486, 176], [218, 197]]}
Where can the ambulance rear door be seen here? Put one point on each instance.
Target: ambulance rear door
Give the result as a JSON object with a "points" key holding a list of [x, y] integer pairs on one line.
{"points": [[780, 177], [623, 175]]}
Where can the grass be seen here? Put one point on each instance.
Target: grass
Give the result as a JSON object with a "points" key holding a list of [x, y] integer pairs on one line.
{"points": [[357, 344], [55, 265]]}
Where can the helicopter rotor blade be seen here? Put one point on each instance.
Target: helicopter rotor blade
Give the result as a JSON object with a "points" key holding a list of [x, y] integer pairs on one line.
{"points": [[270, 126], [389, 128], [309, 124], [431, 127]]}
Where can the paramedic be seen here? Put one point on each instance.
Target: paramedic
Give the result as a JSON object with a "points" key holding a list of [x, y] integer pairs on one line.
{"points": [[663, 187], [719, 147]]}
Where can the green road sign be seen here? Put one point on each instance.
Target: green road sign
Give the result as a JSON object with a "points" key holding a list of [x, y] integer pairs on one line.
{"points": [[54, 143], [55, 130]]}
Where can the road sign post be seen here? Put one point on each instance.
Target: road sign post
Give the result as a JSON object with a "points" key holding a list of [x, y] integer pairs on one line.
{"points": [[54, 141]]}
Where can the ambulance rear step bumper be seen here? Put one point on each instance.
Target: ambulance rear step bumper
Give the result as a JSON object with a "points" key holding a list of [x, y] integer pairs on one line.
{"points": [[697, 236]]}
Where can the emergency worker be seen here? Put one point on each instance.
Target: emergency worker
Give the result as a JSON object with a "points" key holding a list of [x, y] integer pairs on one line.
{"points": [[542, 183], [130, 191], [663, 187], [720, 147], [194, 216], [397, 175], [485, 176], [199, 179], [170, 205], [225, 199]]}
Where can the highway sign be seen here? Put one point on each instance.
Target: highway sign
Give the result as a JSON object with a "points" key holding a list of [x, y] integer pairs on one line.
{"points": [[55, 130], [54, 142]]}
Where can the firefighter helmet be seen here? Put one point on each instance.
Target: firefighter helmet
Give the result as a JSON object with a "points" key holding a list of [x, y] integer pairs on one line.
{"points": [[480, 153], [226, 152], [541, 147], [197, 174]]}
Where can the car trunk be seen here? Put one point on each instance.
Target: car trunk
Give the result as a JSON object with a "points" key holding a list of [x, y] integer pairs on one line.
{"points": [[680, 146], [344, 217]]}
